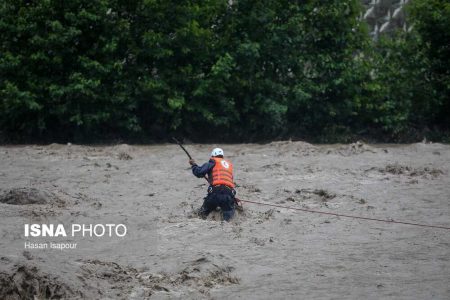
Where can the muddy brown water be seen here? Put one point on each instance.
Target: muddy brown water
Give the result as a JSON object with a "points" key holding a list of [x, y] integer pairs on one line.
{"points": [[264, 253]]}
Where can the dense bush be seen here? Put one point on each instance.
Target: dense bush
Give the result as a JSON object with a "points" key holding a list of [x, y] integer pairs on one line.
{"points": [[405, 77], [432, 23], [63, 69], [216, 70], [395, 93]]}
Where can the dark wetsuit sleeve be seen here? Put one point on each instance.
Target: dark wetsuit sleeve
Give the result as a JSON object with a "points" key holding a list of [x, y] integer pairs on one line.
{"points": [[206, 168]]}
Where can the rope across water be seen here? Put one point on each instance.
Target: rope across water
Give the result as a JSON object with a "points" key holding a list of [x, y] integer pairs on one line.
{"points": [[346, 216]]}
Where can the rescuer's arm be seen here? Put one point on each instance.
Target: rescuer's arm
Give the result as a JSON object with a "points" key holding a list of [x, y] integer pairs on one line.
{"points": [[204, 169]]}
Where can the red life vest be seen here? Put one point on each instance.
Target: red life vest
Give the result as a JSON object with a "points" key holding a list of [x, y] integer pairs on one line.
{"points": [[222, 173]]}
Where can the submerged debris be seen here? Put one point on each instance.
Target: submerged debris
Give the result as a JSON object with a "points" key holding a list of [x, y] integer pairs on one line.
{"points": [[350, 149], [27, 282], [28, 196], [397, 169], [323, 194], [124, 156], [200, 275]]}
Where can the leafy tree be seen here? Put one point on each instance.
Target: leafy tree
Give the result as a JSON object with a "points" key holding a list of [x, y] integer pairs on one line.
{"points": [[432, 22], [62, 68], [323, 92], [395, 93], [179, 66]]}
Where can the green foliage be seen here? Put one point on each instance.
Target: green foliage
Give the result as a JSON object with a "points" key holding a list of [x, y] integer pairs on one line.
{"points": [[329, 37], [432, 22], [395, 92], [405, 76], [241, 70], [62, 69]]}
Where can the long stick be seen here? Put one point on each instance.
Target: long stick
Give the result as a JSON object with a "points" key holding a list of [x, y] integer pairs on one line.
{"points": [[179, 144], [187, 153]]}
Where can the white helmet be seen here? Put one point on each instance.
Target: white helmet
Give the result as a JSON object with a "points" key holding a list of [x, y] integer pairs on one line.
{"points": [[217, 152]]}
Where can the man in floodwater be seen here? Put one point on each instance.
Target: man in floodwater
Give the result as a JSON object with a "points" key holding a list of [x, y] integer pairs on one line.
{"points": [[221, 185]]}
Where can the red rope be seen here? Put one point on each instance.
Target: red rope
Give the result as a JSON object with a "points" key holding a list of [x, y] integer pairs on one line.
{"points": [[346, 216]]}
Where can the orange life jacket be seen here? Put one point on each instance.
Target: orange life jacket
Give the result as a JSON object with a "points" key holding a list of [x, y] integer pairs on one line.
{"points": [[222, 173]]}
